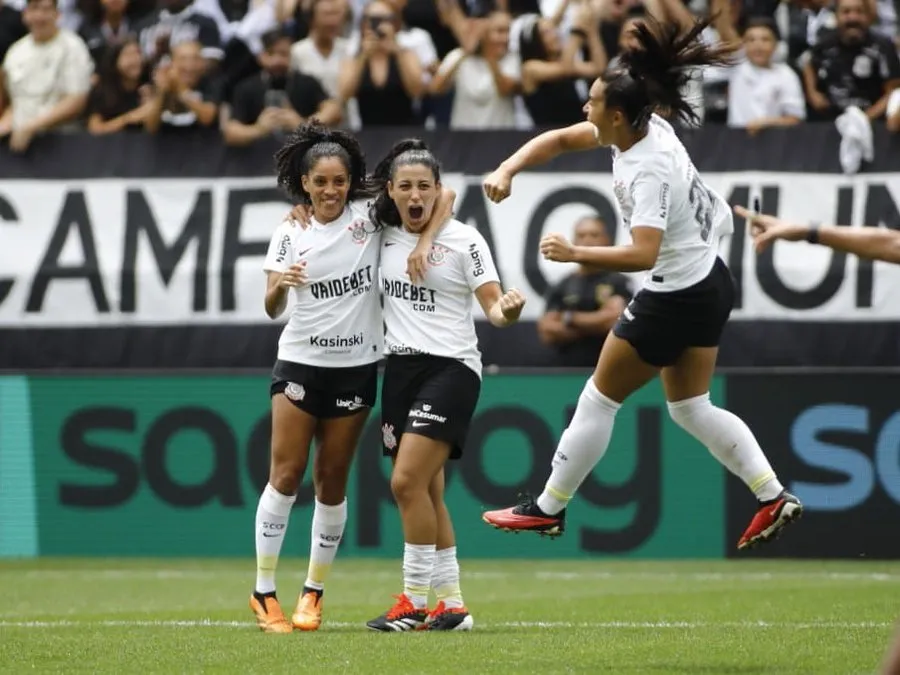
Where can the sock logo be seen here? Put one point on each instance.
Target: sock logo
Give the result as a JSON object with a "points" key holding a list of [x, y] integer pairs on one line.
{"points": [[274, 529]]}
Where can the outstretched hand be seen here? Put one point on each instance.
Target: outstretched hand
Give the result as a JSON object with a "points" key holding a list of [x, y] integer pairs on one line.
{"points": [[767, 229]]}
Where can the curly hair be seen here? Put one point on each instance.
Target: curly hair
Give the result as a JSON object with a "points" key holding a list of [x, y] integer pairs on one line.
{"points": [[408, 152], [311, 142], [652, 75]]}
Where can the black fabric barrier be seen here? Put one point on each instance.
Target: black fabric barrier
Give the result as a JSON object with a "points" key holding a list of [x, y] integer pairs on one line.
{"points": [[809, 148], [834, 440], [745, 344]]}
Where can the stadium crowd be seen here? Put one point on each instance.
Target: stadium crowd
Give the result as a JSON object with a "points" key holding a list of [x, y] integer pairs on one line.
{"points": [[257, 68]]}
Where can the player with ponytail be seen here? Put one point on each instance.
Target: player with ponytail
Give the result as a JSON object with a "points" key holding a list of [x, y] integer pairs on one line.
{"points": [[672, 327]]}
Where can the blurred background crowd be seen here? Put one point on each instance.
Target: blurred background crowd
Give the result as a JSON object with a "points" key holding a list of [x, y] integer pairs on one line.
{"points": [[257, 68]]}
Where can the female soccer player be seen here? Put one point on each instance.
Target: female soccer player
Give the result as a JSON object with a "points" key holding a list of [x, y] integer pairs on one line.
{"points": [[673, 325], [432, 378], [324, 381]]}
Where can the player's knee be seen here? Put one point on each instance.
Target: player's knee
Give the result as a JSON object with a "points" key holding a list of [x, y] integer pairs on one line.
{"points": [[285, 477], [682, 412], [406, 486], [330, 481]]}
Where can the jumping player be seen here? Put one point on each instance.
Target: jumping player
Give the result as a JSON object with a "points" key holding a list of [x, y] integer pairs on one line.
{"points": [[673, 325], [325, 379], [432, 378]]}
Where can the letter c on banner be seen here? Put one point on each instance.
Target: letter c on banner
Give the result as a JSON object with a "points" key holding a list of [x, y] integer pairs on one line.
{"points": [[575, 195]]}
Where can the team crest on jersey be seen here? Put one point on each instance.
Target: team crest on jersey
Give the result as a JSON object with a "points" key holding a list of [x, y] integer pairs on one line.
{"points": [[295, 391], [387, 432], [437, 255], [358, 231], [602, 293]]}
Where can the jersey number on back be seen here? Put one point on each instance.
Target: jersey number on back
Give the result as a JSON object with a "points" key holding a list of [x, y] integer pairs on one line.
{"points": [[701, 202]]}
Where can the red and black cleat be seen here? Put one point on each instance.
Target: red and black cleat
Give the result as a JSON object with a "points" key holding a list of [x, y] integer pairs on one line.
{"points": [[527, 517], [771, 518]]}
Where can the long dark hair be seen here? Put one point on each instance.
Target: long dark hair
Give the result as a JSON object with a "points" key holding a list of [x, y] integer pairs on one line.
{"points": [[110, 88], [652, 75], [311, 142], [408, 152]]}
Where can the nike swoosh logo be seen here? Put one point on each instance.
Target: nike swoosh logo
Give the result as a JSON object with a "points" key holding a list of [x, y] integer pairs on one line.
{"points": [[420, 424], [321, 545], [304, 251], [389, 243], [271, 535]]}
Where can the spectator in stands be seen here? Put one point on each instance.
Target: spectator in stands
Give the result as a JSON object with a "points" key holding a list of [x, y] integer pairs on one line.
{"points": [[176, 22], [115, 102], [550, 69], [485, 81], [109, 27], [384, 77], [763, 94], [851, 66], [11, 27], [47, 76], [810, 19], [324, 50], [583, 307], [184, 96], [322, 53], [276, 100]]}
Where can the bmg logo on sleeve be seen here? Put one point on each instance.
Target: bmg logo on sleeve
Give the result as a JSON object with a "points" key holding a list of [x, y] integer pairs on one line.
{"points": [[477, 263]]}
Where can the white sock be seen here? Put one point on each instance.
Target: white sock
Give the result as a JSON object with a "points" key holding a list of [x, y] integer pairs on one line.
{"points": [[730, 441], [445, 578], [271, 523], [327, 529], [581, 446], [418, 565]]}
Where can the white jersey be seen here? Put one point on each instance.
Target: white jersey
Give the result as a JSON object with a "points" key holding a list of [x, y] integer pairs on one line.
{"points": [[336, 318], [656, 185], [435, 317]]}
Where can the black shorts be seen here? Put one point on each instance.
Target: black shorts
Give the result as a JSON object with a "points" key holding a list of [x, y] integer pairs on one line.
{"points": [[326, 392], [428, 395], [660, 326]]}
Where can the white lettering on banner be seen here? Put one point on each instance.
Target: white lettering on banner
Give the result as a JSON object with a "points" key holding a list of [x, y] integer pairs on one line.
{"points": [[178, 251]]}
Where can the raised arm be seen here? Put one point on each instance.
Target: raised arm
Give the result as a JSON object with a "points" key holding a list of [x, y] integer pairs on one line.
{"points": [[539, 150]]}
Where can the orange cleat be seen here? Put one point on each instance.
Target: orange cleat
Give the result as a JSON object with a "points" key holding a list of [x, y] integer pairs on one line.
{"points": [[268, 613], [308, 615]]}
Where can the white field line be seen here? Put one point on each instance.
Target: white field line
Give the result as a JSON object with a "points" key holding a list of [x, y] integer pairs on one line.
{"points": [[600, 625], [547, 575]]}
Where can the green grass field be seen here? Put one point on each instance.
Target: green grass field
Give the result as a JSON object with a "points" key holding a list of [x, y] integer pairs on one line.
{"points": [[532, 617]]}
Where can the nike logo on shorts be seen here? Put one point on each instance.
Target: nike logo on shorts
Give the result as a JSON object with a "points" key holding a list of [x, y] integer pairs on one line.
{"points": [[420, 424], [304, 252]]}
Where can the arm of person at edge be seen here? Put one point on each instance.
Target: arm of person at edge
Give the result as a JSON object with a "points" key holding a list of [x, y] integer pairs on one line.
{"points": [[875, 243], [417, 262], [501, 309]]}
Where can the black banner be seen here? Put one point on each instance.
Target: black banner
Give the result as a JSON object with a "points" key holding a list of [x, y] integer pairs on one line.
{"points": [[834, 441], [807, 148]]}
